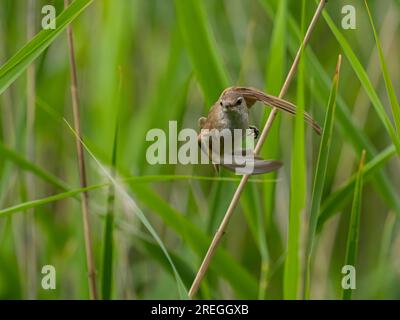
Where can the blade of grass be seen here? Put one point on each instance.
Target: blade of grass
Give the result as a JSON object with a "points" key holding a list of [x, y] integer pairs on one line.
{"points": [[274, 79], [18, 63], [358, 140], [319, 180], [354, 227], [252, 208], [365, 81], [108, 241], [265, 265], [116, 27], [361, 105], [40, 202], [339, 198], [384, 274], [298, 187], [23, 163], [388, 82]]}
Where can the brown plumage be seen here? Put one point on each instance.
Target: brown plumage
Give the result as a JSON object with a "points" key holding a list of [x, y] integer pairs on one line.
{"points": [[231, 112]]}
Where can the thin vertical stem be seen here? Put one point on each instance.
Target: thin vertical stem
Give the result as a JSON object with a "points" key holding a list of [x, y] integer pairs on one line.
{"points": [[108, 249], [29, 221], [81, 164], [236, 197]]}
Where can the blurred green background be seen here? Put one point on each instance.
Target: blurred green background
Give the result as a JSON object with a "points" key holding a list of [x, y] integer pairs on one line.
{"points": [[142, 63]]}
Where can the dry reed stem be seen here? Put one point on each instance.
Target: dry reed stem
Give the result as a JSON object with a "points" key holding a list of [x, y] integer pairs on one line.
{"points": [[236, 197], [81, 163]]}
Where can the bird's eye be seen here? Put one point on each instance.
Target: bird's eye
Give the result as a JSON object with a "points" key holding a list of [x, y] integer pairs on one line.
{"points": [[239, 101], [220, 103]]}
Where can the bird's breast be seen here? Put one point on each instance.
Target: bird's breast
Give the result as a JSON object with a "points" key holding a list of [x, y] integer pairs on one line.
{"points": [[235, 119]]}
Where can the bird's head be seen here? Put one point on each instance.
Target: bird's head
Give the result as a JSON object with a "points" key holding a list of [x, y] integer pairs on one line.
{"points": [[232, 101]]}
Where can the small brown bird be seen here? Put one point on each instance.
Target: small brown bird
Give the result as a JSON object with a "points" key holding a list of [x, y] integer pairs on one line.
{"points": [[231, 111]]}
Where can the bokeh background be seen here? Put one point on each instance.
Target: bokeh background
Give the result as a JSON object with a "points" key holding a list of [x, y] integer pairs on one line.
{"points": [[141, 63]]}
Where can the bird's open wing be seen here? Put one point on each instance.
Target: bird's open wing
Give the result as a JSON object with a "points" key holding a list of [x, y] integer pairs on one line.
{"points": [[252, 95]]}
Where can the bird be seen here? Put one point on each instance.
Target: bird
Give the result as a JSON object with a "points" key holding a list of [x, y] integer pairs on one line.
{"points": [[230, 112]]}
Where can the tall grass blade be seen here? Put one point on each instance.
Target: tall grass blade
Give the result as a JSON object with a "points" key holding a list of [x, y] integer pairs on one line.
{"points": [[388, 82], [18, 63], [384, 274], [252, 208], [319, 180], [23, 163], [298, 187], [354, 227], [108, 244], [108, 241], [365, 81], [357, 138], [274, 78], [40, 202]]}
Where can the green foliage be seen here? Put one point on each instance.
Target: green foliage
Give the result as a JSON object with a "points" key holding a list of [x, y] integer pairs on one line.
{"points": [[338, 199], [354, 226], [388, 82], [143, 63], [298, 186], [365, 81], [14, 67], [202, 49], [319, 180]]}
